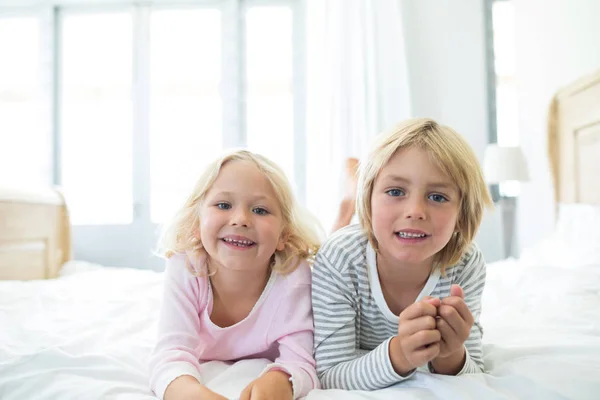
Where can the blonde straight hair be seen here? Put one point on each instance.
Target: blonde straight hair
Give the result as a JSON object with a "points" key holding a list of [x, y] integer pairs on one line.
{"points": [[301, 230], [452, 154]]}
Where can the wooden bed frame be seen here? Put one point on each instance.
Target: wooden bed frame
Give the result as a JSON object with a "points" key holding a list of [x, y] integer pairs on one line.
{"points": [[574, 141], [35, 238], [35, 234]]}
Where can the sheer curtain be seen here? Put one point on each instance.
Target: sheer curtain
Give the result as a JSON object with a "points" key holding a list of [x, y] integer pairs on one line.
{"points": [[357, 85]]}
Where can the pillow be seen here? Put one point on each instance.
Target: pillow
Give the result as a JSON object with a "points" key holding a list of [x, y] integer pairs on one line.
{"points": [[575, 241]]}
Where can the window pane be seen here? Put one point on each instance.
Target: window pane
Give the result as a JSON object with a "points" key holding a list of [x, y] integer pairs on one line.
{"points": [[96, 117], [185, 102], [507, 112], [503, 16], [269, 102], [25, 136]]}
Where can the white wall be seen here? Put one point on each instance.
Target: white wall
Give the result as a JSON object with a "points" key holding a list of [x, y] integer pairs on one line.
{"points": [[557, 42], [445, 44]]}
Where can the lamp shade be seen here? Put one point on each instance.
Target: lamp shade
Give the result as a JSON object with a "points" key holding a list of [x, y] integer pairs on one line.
{"points": [[503, 163]]}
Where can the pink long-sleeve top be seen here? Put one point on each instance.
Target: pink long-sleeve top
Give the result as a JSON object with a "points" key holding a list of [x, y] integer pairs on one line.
{"points": [[279, 327]]}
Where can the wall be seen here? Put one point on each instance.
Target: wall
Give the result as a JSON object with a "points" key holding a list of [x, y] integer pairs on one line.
{"points": [[445, 44], [556, 43]]}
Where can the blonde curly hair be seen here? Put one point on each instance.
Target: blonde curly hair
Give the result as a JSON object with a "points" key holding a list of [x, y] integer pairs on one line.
{"points": [[301, 230]]}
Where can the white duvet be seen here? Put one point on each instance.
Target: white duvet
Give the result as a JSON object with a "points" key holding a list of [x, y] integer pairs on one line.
{"points": [[88, 335]]}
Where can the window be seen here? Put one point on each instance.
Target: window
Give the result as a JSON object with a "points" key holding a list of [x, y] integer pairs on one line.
{"points": [[503, 19], [185, 102], [123, 104], [96, 116], [269, 77], [25, 133]]}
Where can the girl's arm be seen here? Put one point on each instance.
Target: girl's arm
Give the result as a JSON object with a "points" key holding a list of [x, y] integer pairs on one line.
{"points": [[175, 352], [340, 364], [293, 329]]}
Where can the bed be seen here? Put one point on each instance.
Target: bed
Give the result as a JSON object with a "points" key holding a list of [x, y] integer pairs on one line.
{"points": [[74, 330]]}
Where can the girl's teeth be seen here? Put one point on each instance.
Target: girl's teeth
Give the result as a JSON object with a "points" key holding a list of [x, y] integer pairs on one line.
{"points": [[238, 242]]}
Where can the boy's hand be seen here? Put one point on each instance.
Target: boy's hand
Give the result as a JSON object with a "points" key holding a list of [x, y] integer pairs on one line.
{"points": [[418, 340], [274, 385], [454, 324]]}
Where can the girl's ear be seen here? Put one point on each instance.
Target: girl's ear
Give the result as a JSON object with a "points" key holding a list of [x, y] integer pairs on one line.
{"points": [[283, 238]]}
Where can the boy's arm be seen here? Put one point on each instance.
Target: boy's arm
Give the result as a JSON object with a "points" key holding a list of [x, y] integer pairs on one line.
{"points": [[340, 363]]}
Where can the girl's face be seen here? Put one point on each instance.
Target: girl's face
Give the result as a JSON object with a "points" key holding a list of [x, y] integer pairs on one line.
{"points": [[414, 207], [241, 224]]}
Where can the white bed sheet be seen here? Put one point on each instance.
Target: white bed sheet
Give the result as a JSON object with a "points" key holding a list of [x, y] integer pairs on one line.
{"points": [[88, 335]]}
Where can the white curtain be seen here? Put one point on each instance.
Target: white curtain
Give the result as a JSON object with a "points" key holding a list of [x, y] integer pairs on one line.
{"points": [[357, 86]]}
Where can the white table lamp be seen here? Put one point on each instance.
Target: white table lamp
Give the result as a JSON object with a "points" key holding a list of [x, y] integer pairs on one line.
{"points": [[506, 164]]}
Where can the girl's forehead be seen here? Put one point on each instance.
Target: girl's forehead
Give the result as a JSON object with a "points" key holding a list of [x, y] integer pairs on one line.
{"points": [[240, 178]]}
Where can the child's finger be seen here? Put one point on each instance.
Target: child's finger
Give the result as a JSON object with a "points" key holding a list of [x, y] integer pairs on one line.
{"points": [[451, 317], [434, 301], [423, 323], [456, 290], [245, 395], [417, 310], [423, 339], [461, 307]]}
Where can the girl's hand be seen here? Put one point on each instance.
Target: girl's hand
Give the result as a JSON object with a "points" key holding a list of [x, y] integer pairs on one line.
{"points": [[208, 394], [274, 385], [418, 340], [187, 387]]}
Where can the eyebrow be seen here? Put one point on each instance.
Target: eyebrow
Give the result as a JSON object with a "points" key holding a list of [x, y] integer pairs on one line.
{"points": [[231, 194], [437, 185]]}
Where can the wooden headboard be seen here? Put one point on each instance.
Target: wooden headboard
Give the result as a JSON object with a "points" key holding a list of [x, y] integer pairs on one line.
{"points": [[35, 238], [574, 141]]}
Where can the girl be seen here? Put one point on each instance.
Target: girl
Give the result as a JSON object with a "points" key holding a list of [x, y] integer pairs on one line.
{"points": [[237, 283], [403, 289]]}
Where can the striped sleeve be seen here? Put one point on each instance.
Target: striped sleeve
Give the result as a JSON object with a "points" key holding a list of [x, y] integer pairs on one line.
{"points": [[472, 280], [340, 363]]}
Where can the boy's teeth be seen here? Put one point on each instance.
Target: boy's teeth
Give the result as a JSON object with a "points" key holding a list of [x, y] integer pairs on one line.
{"points": [[411, 235]]}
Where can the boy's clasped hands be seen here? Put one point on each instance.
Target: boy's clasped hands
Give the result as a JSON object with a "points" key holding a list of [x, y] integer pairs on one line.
{"points": [[433, 330]]}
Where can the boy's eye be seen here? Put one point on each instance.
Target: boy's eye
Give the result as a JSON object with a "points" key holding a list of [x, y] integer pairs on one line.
{"points": [[438, 198], [260, 211], [223, 206], [395, 192]]}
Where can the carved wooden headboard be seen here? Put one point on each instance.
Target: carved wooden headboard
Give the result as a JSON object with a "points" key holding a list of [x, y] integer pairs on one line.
{"points": [[574, 141]]}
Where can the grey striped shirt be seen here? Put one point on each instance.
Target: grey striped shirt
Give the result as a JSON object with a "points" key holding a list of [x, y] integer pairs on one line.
{"points": [[354, 325]]}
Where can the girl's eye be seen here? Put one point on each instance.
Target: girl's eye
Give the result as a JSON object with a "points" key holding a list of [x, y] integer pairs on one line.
{"points": [[260, 211], [438, 198], [223, 206], [395, 192]]}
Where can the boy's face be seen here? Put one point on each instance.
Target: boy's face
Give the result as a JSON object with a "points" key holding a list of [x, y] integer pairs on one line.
{"points": [[414, 207], [241, 221]]}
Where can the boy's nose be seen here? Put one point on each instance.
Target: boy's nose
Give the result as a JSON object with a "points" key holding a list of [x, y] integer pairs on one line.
{"points": [[415, 209]]}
